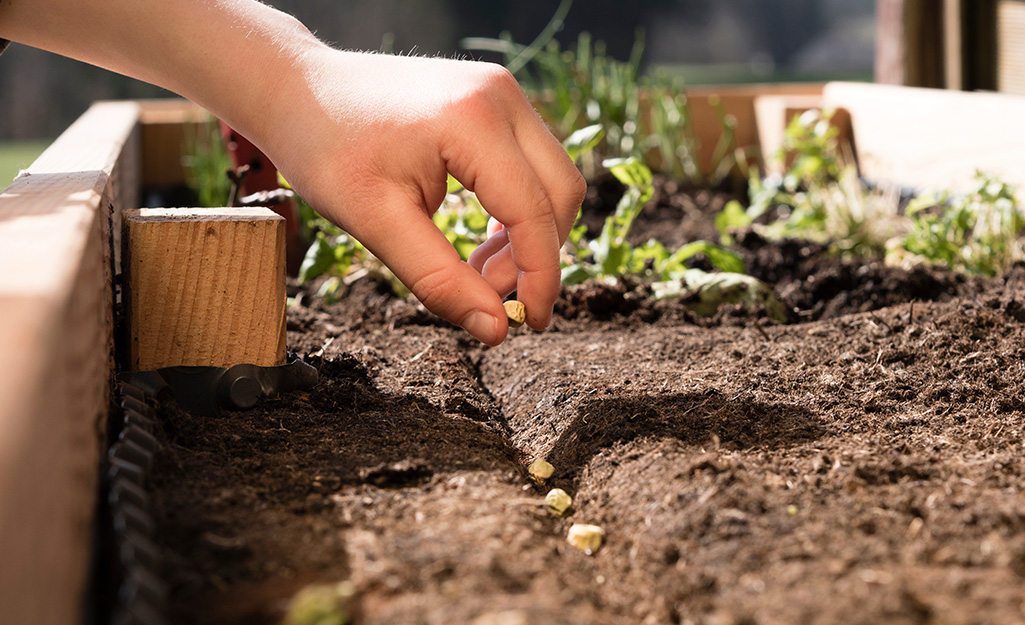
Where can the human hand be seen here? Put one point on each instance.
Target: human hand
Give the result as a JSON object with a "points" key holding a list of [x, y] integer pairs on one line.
{"points": [[369, 144], [367, 139]]}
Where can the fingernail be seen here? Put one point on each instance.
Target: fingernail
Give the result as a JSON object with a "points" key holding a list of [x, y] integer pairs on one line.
{"points": [[481, 325]]}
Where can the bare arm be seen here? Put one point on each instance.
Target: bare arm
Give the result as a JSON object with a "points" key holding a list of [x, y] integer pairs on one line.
{"points": [[367, 139]]}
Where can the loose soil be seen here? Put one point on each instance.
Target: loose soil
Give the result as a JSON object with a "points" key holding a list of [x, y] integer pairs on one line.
{"points": [[860, 464]]}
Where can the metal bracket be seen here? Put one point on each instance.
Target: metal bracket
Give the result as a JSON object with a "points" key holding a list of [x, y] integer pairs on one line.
{"points": [[207, 390]]}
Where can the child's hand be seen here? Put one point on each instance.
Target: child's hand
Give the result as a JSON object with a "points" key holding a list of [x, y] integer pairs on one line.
{"points": [[366, 139], [369, 144]]}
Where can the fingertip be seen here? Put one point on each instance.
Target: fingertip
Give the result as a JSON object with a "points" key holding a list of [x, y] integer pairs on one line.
{"points": [[541, 322], [485, 327]]}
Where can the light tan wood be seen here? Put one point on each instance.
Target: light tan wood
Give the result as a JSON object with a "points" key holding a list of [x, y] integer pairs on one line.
{"points": [[56, 359], [166, 128], [933, 139], [205, 287], [738, 102], [953, 44], [909, 42], [1011, 46]]}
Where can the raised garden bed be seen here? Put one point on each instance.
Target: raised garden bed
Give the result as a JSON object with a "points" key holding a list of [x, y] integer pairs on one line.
{"points": [[860, 463]]}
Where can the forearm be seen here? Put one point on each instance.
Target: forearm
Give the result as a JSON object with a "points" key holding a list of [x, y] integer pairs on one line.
{"points": [[222, 54]]}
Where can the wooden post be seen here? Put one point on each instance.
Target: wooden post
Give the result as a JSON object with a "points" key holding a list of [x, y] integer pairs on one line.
{"points": [[1010, 53], [953, 44], [204, 287], [909, 43]]}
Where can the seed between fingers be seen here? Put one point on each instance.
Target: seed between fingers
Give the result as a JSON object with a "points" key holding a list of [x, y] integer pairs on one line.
{"points": [[516, 312]]}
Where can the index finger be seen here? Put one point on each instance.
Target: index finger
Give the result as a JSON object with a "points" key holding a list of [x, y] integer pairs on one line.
{"points": [[511, 192]]}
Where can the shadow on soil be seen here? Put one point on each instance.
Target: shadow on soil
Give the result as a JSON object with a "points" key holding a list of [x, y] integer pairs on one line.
{"points": [[692, 418], [357, 433]]}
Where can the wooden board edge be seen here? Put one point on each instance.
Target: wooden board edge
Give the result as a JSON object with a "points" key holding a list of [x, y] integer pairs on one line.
{"points": [[56, 358]]}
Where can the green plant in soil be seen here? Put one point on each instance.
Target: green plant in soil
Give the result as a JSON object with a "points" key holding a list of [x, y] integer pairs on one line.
{"points": [[647, 117], [976, 232], [821, 198], [611, 255], [205, 159]]}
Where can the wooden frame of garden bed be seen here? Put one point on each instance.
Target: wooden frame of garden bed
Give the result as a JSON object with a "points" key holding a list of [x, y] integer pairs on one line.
{"points": [[59, 231]]}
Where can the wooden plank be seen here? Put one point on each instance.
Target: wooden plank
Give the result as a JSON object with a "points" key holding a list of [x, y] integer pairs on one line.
{"points": [[890, 42], [933, 139], [56, 359], [953, 44], [1011, 46], [739, 102], [166, 125], [909, 43], [205, 287], [773, 114]]}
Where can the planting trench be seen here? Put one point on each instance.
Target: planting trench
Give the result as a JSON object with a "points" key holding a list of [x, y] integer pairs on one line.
{"points": [[862, 463]]}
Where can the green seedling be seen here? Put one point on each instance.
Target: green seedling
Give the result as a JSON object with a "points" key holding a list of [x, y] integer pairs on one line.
{"points": [[976, 232], [611, 255], [205, 159], [644, 116], [819, 196], [704, 293], [323, 604]]}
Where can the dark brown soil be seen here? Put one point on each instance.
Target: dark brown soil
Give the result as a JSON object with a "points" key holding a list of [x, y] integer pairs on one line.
{"points": [[862, 464]]}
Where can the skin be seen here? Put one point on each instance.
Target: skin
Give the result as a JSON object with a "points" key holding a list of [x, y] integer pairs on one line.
{"points": [[366, 139]]}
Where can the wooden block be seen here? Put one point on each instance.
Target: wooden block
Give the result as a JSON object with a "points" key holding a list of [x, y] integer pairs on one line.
{"points": [[204, 287], [932, 138]]}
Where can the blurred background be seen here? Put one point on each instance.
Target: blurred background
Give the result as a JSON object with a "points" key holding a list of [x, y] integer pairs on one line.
{"points": [[702, 41]]}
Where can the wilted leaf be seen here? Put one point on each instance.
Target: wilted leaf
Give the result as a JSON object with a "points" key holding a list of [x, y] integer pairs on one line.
{"points": [[704, 292]]}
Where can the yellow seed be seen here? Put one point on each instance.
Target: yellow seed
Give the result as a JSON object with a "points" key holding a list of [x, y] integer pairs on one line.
{"points": [[558, 501], [516, 312], [586, 538], [540, 470]]}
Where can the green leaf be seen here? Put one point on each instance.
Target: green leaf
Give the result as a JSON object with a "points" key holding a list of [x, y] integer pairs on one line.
{"points": [[633, 173], [463, 244], [331, 290], [576, 274], [576, 234], [652, 252], [476, 221], [732, 217], [583, 140], [319, 259], [453, 185], [704, 292], [721, 259]]}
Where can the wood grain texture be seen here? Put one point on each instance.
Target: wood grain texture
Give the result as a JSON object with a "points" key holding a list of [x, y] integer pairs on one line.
{"points": [[56, 359], [205, 287], [1011, 46], [931, 138]]}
